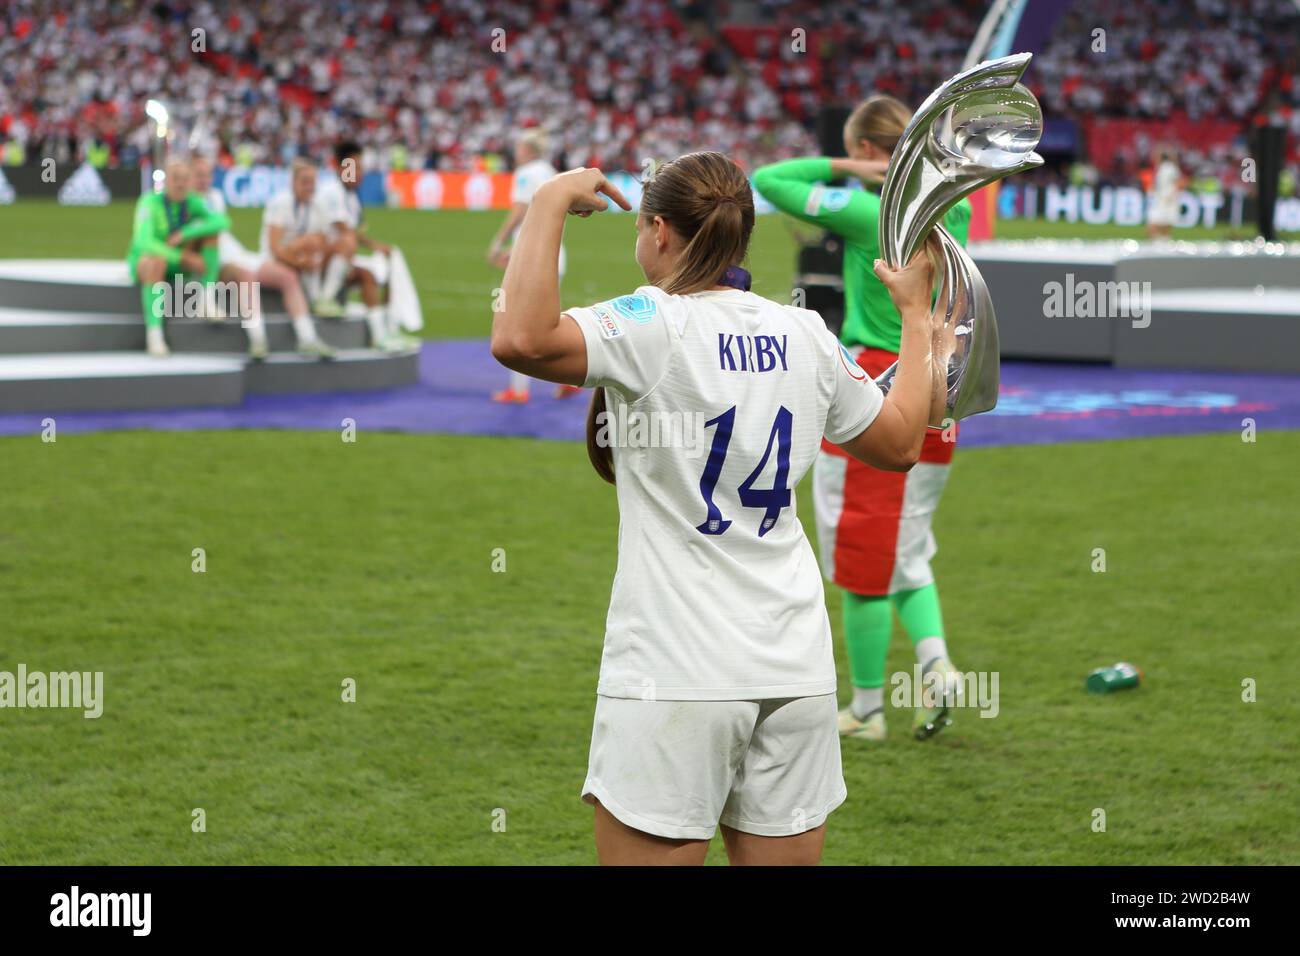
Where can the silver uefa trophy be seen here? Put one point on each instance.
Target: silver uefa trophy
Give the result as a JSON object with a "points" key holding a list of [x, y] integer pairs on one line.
{"points": [[976, 128], [161, 134]]}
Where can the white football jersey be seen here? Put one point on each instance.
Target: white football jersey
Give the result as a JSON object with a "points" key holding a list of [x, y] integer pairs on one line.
{"points": [[230, 250], [717, 403], [298, 219], [528, 177], [339, 203], [1166, 182], [525, 182], [215, 199], [1164, 206]]}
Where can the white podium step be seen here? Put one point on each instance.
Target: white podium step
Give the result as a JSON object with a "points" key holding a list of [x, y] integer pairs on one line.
{"points": [[71, 337]]}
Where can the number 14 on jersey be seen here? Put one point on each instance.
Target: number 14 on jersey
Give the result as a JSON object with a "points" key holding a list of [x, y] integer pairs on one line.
{"points": [[772, 500]]}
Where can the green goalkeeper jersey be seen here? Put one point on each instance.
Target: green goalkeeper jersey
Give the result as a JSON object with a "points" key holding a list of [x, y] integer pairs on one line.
{"points": [[157, 217], [796, 187]]}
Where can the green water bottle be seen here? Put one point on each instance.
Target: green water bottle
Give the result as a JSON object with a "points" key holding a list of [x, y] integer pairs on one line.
{"points": [[1117, 677]]}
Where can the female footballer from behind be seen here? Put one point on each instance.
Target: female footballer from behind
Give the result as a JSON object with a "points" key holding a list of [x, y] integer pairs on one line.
{"points": [[873, 525], [716, 698]]}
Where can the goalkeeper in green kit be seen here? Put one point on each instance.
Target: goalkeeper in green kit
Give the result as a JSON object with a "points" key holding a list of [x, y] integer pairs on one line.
{"points": [[174, 234], [874, 526]]}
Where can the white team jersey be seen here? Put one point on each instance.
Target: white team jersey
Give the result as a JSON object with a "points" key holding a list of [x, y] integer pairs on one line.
{"points": [[1164, 195], [229, 249], [298, 219], [215, 199], [339, 203], [717, 595], [526, 180], [1163, 209], [1166, 183], [528, 177]]}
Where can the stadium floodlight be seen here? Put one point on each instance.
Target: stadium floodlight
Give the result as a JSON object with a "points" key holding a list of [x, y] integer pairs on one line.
{"points": [[978, 127], [160, 134]]}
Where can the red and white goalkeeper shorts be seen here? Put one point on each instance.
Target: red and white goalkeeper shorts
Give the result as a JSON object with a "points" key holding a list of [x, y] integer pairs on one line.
{"points": [[873, 527]]}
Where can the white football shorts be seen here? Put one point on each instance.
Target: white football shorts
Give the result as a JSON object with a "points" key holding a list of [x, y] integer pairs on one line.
{"points": [[678, 768]]}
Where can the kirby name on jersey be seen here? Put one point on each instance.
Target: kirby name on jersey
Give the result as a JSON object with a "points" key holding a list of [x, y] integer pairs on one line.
{"points": [[752, 353]]}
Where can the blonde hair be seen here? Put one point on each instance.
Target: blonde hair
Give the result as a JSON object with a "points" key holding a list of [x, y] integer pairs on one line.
{"points": [[707, 201], [535, 139], [880, 120]]}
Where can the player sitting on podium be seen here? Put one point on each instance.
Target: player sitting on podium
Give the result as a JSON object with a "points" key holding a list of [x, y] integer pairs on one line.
{"points": [[167, 240], [344, 268], [295, 234], [248, 268]]}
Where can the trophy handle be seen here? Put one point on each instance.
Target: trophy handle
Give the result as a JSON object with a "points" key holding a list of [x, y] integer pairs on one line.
{"points": [[962, 306], [976, 128]]}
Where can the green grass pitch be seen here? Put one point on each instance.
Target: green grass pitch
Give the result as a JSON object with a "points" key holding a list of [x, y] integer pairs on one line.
{"points": [[374, 561]]}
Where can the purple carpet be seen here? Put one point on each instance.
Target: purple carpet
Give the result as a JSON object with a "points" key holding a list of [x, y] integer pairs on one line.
{"points": [[1040, 403]]}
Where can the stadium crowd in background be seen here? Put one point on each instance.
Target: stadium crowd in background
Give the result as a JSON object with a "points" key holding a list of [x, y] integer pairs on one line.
{"points": [[444, 86], [418, 89]]}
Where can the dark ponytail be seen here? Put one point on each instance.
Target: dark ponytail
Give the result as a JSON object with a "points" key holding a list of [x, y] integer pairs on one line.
{"points": [[602, 456], [706, 200]]}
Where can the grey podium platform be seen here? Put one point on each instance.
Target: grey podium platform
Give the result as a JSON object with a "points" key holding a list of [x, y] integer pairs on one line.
{"points": [[354, 370], [1236, 329], [71, 338], [40, 330], [1213, 305], [81, 285], [52, 382]]}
